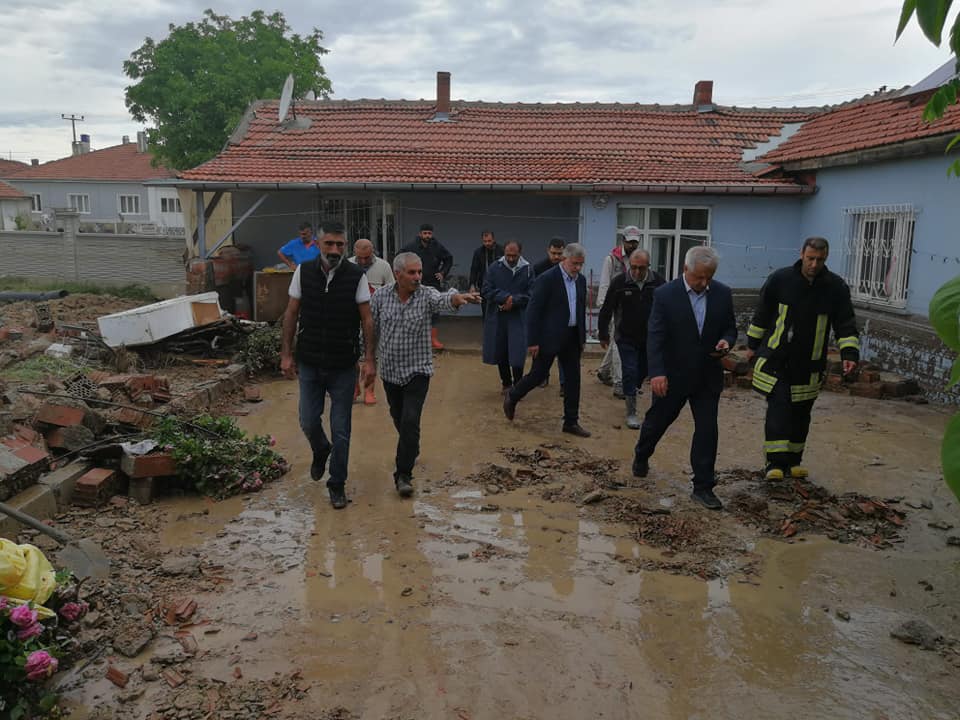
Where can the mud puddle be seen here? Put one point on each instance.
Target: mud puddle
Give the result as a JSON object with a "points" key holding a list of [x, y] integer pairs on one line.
{"points": [[493, 598]]}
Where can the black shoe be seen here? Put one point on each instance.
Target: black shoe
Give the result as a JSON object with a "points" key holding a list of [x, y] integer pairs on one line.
{"points": [[561, 391], [640, 468], [707, 499], [404, 485], [319, 465], [545, 382], [338, 497], [575, 429], [509, 407]]}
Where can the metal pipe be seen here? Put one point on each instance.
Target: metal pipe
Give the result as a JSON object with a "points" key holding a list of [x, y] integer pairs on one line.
{"points": [[16, 296]]}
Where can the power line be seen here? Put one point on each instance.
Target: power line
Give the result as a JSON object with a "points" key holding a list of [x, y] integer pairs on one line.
{"points": [[74, 119]]}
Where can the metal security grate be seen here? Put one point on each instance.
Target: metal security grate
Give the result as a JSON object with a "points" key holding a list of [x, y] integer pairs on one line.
{"points": [[878, 240]]}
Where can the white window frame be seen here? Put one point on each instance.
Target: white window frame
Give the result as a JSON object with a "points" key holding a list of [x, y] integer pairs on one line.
{"points": [[80, 202], [168, 201], [675, 264], [36, 202], [878, 240], [126, 199]]}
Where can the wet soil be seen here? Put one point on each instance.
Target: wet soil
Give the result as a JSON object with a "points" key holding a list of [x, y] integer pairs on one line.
{"points": [[532, 577]]}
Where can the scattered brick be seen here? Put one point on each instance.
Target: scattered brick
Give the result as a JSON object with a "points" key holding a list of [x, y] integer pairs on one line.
{"points": [[237, 672], [26, 433], [185, 610], [32, 455], [251, 393], [117, 677], [62, 415], [95, 487], [173, 678], [153, 465]]}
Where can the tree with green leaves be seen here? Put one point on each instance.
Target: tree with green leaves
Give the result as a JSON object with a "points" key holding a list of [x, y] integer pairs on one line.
{"points": [[194, 85], [945, 304]]}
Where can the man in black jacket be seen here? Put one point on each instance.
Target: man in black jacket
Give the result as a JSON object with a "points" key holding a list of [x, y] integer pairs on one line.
{"points": [[437, 262], [629, 301], [483, 257], [691, 327], [789, 332], [330, 302], [554, 255]]}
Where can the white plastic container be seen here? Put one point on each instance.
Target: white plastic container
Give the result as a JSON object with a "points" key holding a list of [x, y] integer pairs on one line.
{"points": [[150, 323]]}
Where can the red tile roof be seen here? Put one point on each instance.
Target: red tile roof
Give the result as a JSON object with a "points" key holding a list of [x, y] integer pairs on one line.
{"points": [[368, 141], [8, 192], [11, 167], [864, 125], [121, 163]]}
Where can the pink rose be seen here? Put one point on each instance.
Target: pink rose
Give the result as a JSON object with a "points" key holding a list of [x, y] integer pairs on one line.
{"points": [[273, 441], [30, 632], [71, 611], [40, 665], [3, 602], [22, 616]]}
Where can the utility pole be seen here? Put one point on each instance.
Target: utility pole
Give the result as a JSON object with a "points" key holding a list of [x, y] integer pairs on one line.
{"points": [[73, 123]]}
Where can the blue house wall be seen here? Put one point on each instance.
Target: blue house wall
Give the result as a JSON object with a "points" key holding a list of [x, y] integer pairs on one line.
{"points": [[922, 182], [753, 235]]}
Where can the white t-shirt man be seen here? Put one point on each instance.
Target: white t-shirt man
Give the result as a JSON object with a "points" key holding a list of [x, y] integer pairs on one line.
{"points": [[379, 274]]}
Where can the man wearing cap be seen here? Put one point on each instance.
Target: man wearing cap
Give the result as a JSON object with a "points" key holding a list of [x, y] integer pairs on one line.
{"points": [[301, 249], [614, 264], [437, 261]]}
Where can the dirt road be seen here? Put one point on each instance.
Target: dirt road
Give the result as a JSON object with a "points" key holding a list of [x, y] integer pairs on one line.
{"points": [[478, 601]]}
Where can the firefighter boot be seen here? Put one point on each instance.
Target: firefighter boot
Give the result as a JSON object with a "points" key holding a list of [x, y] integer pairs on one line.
{"points": [[798, 472], [435, 340], [773, 473], [633, 422]]}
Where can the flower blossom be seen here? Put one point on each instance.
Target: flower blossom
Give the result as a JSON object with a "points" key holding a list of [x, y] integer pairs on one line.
{"points": [[71, 611], [31, 631], [40, 665], [22, 616]]}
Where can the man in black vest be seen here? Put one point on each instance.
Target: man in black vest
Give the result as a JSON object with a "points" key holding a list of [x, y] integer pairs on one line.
{"points": [[331, 300]]}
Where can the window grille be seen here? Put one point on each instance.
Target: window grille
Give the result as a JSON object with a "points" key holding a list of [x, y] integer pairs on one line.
{"points": [[878, 240]]}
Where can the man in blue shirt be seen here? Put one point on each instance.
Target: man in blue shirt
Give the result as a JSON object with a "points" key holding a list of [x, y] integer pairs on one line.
{"points": [[301, 249]]}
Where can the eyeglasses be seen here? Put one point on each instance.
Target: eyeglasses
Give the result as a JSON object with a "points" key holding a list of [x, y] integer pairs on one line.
{"points": [[639, 267]]}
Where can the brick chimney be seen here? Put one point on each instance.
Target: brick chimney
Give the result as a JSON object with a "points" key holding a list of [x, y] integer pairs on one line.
{"points": [[442, 112], [703, 95]]}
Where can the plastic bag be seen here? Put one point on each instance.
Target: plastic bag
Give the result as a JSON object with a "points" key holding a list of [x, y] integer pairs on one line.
{"points": [[25, 573]]}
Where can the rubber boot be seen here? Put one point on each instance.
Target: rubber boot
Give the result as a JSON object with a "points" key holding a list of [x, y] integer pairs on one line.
{"points": [[368, 397], [633, 422], [435, 340]]}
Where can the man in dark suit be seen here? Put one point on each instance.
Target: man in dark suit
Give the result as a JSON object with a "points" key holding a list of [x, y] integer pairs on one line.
{"points": [[691, 327], [556, 328]]}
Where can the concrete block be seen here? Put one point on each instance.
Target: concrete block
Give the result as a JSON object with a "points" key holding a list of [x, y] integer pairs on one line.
{"points": [[70, 438], [252, 393], [236, 373], [36, 500], [62, 481], [142, 489]]}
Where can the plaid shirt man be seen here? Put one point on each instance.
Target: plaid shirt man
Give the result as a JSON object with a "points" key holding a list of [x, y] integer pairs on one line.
{"points": [[403, 331]]}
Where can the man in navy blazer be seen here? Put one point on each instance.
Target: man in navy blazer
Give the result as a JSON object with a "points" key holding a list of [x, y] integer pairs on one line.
{"points": [[691, 327], [556, 328]]}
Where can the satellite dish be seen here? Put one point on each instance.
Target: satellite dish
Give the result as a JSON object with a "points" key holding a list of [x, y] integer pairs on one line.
{"points": [[286, 97]]}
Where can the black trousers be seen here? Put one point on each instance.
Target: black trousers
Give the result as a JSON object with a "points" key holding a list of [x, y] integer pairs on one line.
{"points": [[704, 404], [406, 406], [508, 375], [569, 360], [786, 427]]}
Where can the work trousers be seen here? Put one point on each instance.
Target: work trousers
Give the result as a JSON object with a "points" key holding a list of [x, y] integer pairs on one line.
{"points": [[786, 427], [704, 404], [568, 357], [315, 385], [406, 406], [633, 363]]}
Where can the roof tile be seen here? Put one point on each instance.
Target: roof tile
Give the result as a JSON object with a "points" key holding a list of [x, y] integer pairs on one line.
{"points": [[117, 163]]}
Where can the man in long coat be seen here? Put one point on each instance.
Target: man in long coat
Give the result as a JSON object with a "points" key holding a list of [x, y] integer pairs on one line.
{"points": [[506, 290]]}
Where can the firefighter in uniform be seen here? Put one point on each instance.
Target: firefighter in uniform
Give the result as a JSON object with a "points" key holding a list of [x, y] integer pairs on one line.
{"points": [[788, 336]]}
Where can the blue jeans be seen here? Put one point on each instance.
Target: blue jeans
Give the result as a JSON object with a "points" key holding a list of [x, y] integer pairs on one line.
{"points": [[315, 384], [633, 362]]}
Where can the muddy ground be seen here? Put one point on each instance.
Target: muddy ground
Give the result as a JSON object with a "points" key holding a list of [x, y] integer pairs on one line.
{"points": [[532, 577]]}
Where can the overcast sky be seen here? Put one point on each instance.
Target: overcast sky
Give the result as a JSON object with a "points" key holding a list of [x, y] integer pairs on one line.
{"points": [[66, 56]]}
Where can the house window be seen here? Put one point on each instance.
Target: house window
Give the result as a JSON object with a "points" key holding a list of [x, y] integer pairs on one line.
{"points": [[35, 204], [879, 243], [170, 205], [129, 204], [80, 203], [667, 233]]}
